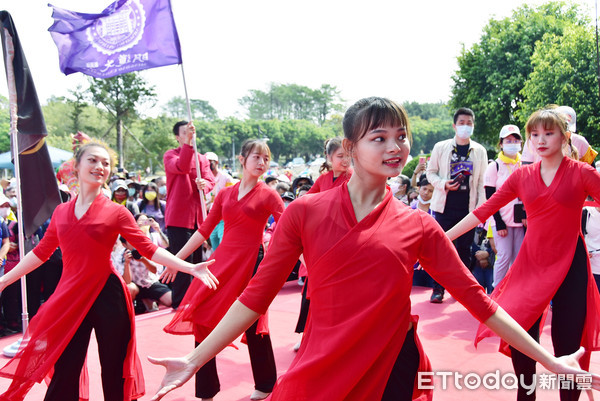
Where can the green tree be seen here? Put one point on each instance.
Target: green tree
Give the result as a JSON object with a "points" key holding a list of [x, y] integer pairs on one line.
{"points": [[121, 95], [201, 109], [157, 137], [88, 119], [78, 104], [493, 71], [564, 73], [293, 102], [428, 110], [426, 133], [4, 125], [327, 102]]}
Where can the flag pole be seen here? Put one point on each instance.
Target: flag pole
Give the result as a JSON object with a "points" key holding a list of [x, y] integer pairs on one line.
{"points": [[17, 156], [12, 94], [189, 110]]}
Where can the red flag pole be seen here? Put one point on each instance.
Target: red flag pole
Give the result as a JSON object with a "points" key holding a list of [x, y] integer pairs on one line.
{"points": [[189, 110]]}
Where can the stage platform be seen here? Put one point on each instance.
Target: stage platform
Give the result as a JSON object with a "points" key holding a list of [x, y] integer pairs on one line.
{"points": [[446, 330]]}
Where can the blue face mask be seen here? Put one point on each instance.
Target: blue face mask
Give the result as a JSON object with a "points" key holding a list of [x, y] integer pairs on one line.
{"points": [[162, 190], [131, 191]]}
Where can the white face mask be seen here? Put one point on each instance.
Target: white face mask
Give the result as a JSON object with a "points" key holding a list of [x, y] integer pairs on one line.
{"points": [[464, 131], [423, 201], [4, 211], [511, 149], [394, 187]]}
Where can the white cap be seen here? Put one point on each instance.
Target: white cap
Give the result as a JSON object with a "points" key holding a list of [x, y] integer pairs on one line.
{"points": [[570, 115], [119, 184], [212, 156], [509, 130], [284, 178]]}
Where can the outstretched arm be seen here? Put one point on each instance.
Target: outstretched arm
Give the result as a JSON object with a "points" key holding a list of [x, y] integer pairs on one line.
{"points": [[180, 370], [466, 224], [193, 243], [28, 264], [200, 270], [510, 331]]}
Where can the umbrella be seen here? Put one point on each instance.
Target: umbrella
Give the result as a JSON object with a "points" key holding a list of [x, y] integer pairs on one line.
{"points": [[58, 156]]}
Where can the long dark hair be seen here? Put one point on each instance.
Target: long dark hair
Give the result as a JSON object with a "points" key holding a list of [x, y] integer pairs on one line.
{"points": [[331, 146], [156, 202]]}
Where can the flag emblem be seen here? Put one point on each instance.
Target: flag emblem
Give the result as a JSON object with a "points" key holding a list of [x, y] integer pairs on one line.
{"points": [[119, 31]]}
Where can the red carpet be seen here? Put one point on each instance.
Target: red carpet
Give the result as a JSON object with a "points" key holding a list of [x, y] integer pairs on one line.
{"points": [[446, 331]]}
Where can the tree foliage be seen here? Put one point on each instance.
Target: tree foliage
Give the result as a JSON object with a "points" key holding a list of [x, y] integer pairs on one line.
{"points": [[565, 73], [493, 71], [293, 102], [4, 125], [287, 137], [121, 95], [201, 109], [429, 124], [65, 116], [428, 110]]}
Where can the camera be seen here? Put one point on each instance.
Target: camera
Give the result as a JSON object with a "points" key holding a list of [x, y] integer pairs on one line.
{"points": [[459, 179], [136, 254]]}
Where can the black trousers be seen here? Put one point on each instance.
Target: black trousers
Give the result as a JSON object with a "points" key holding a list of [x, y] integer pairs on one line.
{"points": [[41, 283], [109, 319], [447, 220], [402, 379], [304, 307], [568, 319], [262, 361], [178, 237]]}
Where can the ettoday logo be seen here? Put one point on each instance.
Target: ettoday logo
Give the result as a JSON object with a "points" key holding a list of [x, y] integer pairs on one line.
{"points": [[507, 381]]}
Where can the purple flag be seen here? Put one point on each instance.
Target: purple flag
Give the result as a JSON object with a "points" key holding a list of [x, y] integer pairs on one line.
{"points": [[129, 35]]}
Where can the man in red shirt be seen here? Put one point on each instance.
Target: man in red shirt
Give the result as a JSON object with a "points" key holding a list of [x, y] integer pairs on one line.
{"points": [[183, 214]]}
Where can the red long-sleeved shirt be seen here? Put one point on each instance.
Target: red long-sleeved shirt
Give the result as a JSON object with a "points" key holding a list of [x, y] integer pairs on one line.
{"points": [[183, 199]]}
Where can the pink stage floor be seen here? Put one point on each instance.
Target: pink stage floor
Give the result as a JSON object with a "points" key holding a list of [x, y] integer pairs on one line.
{"points": [[446, 331]]}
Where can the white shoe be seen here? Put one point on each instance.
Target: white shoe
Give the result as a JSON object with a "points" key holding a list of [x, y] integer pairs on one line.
{"points": [[258, 395], [297, 346]]}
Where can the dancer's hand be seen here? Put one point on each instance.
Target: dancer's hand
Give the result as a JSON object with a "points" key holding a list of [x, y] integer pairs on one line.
{"points": [[569, 364], [168, 276], [179, 371], [201, 272]]}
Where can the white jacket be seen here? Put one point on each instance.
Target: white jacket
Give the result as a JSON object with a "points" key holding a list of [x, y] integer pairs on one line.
{"points": [[438, 173]]}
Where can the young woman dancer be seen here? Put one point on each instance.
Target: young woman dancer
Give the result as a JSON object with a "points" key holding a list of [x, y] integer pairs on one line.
{"points": [[552, 264], [337, 166], [508, 233], [360, 245], [339, 171], [90, 294], [245, 208]]}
